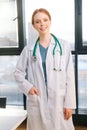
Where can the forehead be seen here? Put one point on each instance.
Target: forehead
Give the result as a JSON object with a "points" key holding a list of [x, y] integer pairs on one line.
{"points": [[40, 15]]}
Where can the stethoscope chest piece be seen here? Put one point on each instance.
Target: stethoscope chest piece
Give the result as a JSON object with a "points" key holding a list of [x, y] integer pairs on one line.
{"points": [[34, 58], [57, 69]]}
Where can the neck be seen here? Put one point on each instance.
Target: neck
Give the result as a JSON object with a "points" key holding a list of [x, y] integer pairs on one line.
{"points": [[45, 40]]}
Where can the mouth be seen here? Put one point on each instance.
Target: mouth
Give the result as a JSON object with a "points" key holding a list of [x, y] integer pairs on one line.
{"points": [[43, 28]]}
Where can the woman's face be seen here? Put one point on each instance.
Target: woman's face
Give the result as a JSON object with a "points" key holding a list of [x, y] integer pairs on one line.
{"points": [[42, 23]]}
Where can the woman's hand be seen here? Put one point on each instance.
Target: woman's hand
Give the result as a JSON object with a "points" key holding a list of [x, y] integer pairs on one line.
{"points": [[33, 91], [67, 113]]}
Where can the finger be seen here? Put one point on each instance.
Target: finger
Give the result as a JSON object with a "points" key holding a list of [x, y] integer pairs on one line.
{"points": [[66, 115], [37, 92], [69, 115], [32, 92]]}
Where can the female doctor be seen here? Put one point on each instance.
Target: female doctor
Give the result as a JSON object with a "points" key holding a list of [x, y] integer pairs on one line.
{"points": [[50, 87]]}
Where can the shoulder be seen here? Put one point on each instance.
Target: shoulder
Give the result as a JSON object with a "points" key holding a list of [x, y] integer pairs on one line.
{"points": [[65, 45], [62, 42], [30, 45]]}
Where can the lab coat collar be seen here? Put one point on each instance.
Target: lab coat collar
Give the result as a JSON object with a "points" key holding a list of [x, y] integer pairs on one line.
{"points": [[52, 43]]}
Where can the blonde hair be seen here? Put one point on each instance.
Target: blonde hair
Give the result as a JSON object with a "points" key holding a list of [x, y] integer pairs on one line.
{"points": [[42, 10]]}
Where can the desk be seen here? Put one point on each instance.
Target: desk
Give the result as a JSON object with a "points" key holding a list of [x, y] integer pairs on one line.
{"points": [[10, 119]]}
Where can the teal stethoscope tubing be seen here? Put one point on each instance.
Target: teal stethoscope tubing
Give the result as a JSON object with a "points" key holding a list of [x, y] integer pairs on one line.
{"points": [[56, 43]]}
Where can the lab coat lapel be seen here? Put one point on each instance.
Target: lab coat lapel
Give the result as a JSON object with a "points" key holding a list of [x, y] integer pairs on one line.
{"points": [[49, 57], [39, 59]]}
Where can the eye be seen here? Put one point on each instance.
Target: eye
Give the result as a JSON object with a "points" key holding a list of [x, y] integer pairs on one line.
{"points": [[45, 20], [36, 21]]}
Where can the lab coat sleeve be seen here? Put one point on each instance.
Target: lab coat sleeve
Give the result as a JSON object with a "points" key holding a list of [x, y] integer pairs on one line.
{"points": [[20, 72], [70, 97]]}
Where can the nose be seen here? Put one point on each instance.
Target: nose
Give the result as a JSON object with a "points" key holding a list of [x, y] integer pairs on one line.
{"points": [[42, 23]]}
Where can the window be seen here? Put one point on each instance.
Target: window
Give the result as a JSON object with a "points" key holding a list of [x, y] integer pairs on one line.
{"points": [[81, 25], [11, 28], [84, 22], [8, 86], [12, 41], [8, 24], [82, 83]]}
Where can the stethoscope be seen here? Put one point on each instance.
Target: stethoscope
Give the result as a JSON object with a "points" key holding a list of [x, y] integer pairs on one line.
{"points": [[57, 43]]}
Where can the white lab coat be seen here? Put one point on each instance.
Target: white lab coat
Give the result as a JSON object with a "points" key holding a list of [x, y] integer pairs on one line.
{"points": [[47, 113]]}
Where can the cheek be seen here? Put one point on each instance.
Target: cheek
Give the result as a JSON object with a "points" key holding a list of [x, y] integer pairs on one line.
{"points": [[49, 22], [36, 26]]}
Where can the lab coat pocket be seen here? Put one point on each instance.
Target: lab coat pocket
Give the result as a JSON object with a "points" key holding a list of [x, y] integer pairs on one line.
{"points": [[33, 100]]}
